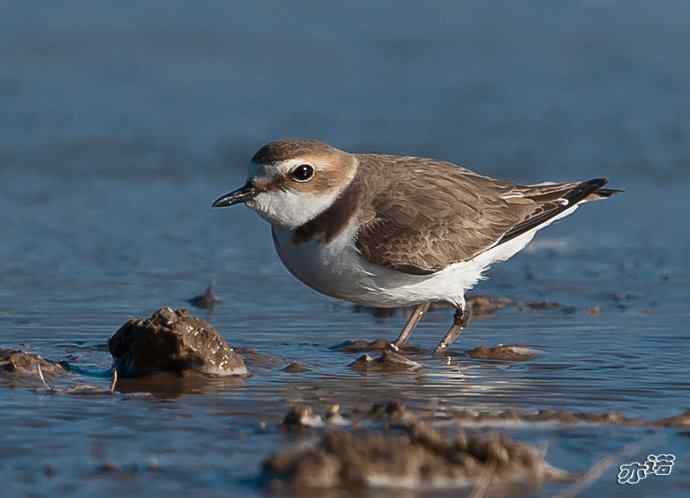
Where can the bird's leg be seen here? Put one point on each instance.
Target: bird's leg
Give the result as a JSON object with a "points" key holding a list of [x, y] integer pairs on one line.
{"points": [[461, 319], [417, 314]]}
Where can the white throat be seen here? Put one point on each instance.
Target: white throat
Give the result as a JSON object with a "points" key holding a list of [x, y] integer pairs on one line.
{"points": [[291, 209]]}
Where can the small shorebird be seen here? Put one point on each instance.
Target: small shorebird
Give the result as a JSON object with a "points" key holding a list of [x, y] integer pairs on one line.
{"points": [[390, 231]]}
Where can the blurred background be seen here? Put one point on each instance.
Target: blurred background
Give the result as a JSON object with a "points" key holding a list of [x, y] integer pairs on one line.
{"points": [[170, 88], [120, 123]]}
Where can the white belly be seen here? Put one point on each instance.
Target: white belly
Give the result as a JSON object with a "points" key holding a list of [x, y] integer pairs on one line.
{"points": [[337, 269]]}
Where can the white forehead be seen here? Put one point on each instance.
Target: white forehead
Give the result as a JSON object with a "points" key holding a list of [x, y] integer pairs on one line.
{"points": [[274, 169]]}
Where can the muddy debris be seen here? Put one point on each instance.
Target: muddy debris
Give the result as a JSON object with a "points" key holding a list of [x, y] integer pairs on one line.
{"points": [[206, 301], [21, 363], [364, 346], [473, 418], [254, 359], [392, 413], [502, 418], [593, 311], [295, 367], [333, 416], [483, 305], [539, 305], [388, 361], [414, 457], [679, 421], [546, 306], [77, 389], [361, 346], [172, 340], [302, 416], [503, 353]]}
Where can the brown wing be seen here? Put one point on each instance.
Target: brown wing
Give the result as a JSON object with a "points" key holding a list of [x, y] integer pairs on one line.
{"points": [[429, 214], [424, 215]]}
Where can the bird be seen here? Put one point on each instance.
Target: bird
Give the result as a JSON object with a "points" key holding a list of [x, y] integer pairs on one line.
{"points": [[393, 231]]}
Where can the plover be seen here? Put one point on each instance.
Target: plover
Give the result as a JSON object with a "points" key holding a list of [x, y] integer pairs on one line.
{"points": [[392, 231]]}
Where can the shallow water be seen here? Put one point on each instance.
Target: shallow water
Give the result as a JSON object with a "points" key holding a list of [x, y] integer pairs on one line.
{"points": [[121, 124]]}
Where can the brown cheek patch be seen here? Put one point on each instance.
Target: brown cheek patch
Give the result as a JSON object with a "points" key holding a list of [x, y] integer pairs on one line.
{"points": [[334, 171]]}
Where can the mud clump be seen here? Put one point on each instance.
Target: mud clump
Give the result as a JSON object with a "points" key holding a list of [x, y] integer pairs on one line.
{"points": [[255, 359], [546, 306], [503, 353], [416, 457], [172, 340], [207, 300], [26, 364], [363, 346], [487, 305], [393, 413], [299, 417], [388, 361], [295, 367], [302, 416], [334, 417]]}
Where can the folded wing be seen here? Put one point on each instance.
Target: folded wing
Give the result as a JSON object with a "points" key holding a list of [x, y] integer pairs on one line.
{"points": [[431, 214]]}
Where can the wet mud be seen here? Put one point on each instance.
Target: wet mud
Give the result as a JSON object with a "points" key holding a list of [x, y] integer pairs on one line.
{"points": [[394, 413], [21, 363], [503, 353], [414, 456], [388, 361], [172, 340], [365, 346], [294, 367]]}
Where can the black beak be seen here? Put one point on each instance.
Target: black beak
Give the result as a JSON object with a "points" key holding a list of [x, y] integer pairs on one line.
{"points": [[242, 194]]}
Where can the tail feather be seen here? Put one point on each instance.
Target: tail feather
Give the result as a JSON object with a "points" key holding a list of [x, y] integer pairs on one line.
{"points": [[552, 200], [603, 193]]}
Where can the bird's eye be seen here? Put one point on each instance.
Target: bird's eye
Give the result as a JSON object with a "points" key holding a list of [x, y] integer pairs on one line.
{"points": [[302, 173]]}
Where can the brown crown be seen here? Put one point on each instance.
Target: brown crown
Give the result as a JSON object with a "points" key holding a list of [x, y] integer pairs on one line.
{"points": [[281, 150]]}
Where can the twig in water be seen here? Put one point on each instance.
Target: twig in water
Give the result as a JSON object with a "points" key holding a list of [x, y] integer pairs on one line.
{"points": [[43, 379], [114, 383]]}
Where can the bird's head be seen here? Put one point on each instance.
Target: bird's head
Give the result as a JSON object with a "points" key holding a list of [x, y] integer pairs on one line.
{"points": [[290, 182]]}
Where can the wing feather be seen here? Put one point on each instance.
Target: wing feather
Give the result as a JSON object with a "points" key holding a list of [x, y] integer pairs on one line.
{"points": [[429, 214], [421, 215]]}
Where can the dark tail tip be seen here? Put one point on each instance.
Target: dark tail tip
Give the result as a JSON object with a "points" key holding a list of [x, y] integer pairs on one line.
{"points": [[597, 192], [608, 192], [596, 183]]}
